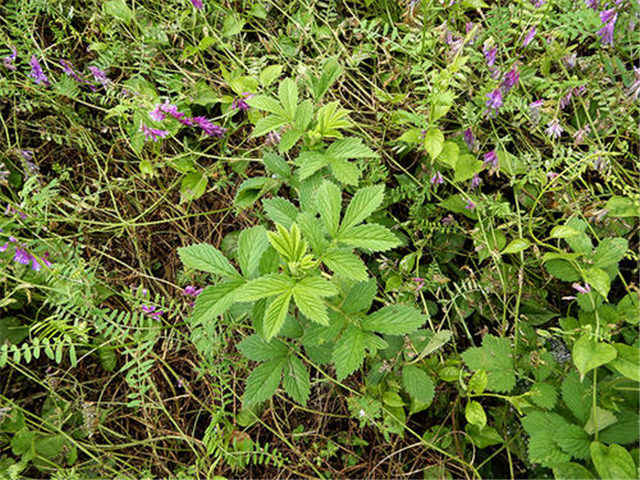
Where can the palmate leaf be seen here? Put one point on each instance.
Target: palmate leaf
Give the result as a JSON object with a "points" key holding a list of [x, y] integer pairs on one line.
{"points": [[263, 287], [418, 384], [282, 211], [496, 357], [252, 243], [308, 294], [364, 203], [344, 262], [345, 171], [276, 314], [206, 257], [370, 237], [329, 203], [349, 352], [214, 300], [263, 382], [296, 380], [255, 348], [394, 320]]}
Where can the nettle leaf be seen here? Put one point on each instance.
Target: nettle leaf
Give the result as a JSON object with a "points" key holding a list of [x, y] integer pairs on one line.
{"points": [[613, 462], [276, 314], [560, 265], [206, 257], [589, 354], [308, 295], [609, 252], [418, 384], [288, 95], [496, 357], [372, 237], [364, 203], [360, 297], [544, 395], [263, 287], [296, 380], [573, 440], [263, 382], [329, 203], [394, 320], [543, 428], [252, 243], [255, 348], [344, 262], [599, 280], [577, 396], [282, 211], [214, 300], [349, 352]]}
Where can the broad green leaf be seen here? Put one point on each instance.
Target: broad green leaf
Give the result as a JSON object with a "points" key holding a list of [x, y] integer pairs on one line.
{"points": [[263, 382], [349, 352], [255, 348], [483, 437], [466, 167], [193, 186], [203, 256], [118, 9], [622, 207], [280, 210], [360, 297], [371, 237], [314, 232], [252, 243], [496, 357], [267, 104], [478, 382], [599, 419], [544, 395], [351, 147], [329, 202], [344, 171], [268, 124], [573, 440], [613, 462], [627, 362], [364, 203], [232, 24], [436, 342], [418, 384], [310, 163], [517, 246], [252, 189], [434, 142], [588, 354], [270, 74], [318, 285], [288, 95], [474, 413], [449, 155], [394, 320], [563, 231], [344, 262], [311, 304], [572, 471], [288, 139], [215, 300], [609, 252], [263, 287], [296, 380], [276, 314]]}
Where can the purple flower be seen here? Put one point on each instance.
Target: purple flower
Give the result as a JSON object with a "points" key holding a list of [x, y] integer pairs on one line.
{"points": [[586, 289], [241, 104], [198, 4], [3, 248], [490, 55], [495, 101], [529, 36], [448, 220], [191, 291], [476, 181], [151, 311], [537, 3], [490, 159], [470, 205], [437, 179], [578, 137], [8, 61], [554, 129], [469, 139], [420, 282], [45, 259], [209, 128], [11, 211], [36, 72], [593, 4], [511, 78], [162, 109], [534, 110], [566, 99], [152, 134], [273, 138], [608, 19], [22, 256], [569, 60], [99, 76]]}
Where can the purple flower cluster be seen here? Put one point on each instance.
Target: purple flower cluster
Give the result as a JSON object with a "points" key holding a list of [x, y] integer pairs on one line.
{"points": [[69, 69], [437, 179], [490, 159], [554, 130], [241, 104], [198, 4], [470, 139], [494, 103], [8, 61], [608, 19], [162, 110], [24, 257], [152, 134], [37, 73], [152, 311], [529, 36]]}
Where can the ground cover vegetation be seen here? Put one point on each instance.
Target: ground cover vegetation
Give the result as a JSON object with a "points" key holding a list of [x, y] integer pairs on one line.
{"points": [[319, 239]]}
